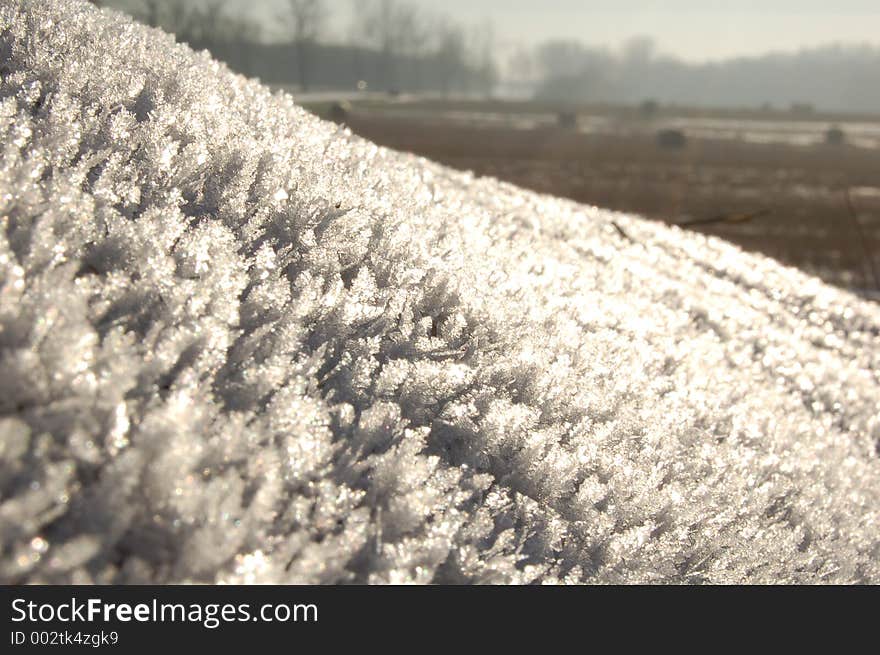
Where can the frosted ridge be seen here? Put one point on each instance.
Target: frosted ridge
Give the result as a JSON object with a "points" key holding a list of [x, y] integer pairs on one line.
{"points": [[239, 344]]}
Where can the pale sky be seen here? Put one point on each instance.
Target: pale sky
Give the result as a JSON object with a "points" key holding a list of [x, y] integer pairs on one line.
{"points": [[696, 30]]}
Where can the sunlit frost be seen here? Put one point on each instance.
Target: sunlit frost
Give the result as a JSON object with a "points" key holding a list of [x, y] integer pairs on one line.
{"points": [[238, 344]]}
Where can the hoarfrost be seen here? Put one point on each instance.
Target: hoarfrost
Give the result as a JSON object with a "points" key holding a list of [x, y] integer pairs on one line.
{"points": [[238, 344]]}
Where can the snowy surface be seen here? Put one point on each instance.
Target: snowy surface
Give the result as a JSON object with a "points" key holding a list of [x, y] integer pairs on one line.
{"points": [[238, 344]]}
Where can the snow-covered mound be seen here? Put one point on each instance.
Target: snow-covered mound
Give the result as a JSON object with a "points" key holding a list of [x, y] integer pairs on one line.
{"points": [[238, 344]]}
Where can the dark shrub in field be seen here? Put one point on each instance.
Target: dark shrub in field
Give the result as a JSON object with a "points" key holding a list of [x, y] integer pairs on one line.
{"points": [[567, 119], [671, 139], [835, 136], [339, 112]]}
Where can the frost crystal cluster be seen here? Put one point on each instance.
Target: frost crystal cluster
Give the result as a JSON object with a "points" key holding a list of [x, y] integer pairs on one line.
{"points": [[239, 344]]}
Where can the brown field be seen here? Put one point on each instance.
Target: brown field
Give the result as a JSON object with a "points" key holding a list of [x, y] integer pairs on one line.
{"points": [[797, 195]]}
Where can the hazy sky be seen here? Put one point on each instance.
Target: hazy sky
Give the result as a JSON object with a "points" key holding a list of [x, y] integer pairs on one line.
{"points": [[696, 30], [692, 29]]}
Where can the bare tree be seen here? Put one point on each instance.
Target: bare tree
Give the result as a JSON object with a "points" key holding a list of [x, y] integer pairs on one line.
{"points": [[639, 49], [560, 58], [482, 57], [449, 56], [203, 24], [431, 49], [414, 32], [306, 19], [387, 26], [521, 64]]}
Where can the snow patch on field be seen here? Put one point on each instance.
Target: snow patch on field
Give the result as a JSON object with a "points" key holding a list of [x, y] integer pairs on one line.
{"points": [[238, 344]]}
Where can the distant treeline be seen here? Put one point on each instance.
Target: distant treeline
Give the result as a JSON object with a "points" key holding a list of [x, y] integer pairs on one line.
{"points": [[391, 47], [834, 77], [344, 67]]}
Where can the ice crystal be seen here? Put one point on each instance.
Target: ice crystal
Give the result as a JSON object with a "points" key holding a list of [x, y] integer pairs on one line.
{"points": [[239, 344]]}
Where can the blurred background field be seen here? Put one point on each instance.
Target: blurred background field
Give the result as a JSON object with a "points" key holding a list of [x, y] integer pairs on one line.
{"points": [[772, 182]]}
